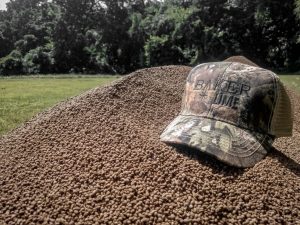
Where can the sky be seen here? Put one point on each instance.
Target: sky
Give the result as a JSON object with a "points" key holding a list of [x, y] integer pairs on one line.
{"points": [[2, 4]]}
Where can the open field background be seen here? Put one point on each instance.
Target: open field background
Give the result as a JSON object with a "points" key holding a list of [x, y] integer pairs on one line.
{"points": [[23, 97], [292, 81]]}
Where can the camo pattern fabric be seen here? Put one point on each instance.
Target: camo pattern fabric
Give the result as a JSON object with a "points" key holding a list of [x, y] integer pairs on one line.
{"points": [[226, 112], [224, 141], [236, 93]]}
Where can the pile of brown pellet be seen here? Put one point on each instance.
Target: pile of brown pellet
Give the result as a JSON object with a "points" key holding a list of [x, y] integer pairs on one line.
{"points": [[97, 159]]}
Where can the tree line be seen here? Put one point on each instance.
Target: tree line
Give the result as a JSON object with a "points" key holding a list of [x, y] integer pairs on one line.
{"points": [[120, 36]]}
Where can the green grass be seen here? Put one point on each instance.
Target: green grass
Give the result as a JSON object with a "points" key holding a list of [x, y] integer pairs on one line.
{"points": [[292, 81], [23, 97]]}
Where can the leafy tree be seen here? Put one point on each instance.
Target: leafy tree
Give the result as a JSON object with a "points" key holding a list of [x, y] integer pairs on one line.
{"points": [[115, 35], [297, 9], [28, 25], [28, 42], [277, 27], [297, 12], [11, 64], [94, 36], [76, 19], [38, 60], [97, 52]]}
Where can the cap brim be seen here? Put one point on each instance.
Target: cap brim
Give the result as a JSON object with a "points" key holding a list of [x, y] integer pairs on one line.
{"points": [[228, 143]]}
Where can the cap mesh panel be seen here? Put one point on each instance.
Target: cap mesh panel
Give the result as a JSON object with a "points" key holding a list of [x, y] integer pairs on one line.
{"points": [[282, 122]]}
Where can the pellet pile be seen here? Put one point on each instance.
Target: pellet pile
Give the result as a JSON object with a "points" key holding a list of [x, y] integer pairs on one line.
{"points": [[97, 159]]}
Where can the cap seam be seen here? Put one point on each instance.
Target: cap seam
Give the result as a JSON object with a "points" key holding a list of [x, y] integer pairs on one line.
{"points": [[275, 105], [187, 80], [254, 150], [210, 107], [251, 150]]}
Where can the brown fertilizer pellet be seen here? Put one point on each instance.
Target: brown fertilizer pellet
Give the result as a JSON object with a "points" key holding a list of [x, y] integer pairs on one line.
{"points": [[97, 159]]}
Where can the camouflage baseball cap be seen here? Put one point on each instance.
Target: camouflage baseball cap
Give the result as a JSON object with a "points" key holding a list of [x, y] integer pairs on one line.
{"points": [[232, 111]]}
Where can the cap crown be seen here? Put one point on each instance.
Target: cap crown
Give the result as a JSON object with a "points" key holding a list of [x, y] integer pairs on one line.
{"points": [[249, 97]]}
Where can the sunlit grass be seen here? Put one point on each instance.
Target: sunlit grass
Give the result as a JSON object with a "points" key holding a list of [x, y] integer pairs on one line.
{"points": [[292, 81], [23, 97]]}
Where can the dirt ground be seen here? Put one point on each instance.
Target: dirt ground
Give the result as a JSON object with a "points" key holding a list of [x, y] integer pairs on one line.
{"points": [[97, 159]]}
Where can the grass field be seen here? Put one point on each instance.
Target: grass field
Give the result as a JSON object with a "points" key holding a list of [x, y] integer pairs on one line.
{"points": [[292, 81], [23, 97]]}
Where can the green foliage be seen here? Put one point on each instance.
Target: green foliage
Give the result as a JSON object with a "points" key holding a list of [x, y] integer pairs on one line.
{"points": [[297, 12], [96, 52], [120, 36], [11, 64], [38, 60], [297, 9], [28, 42], [155, 49]]}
